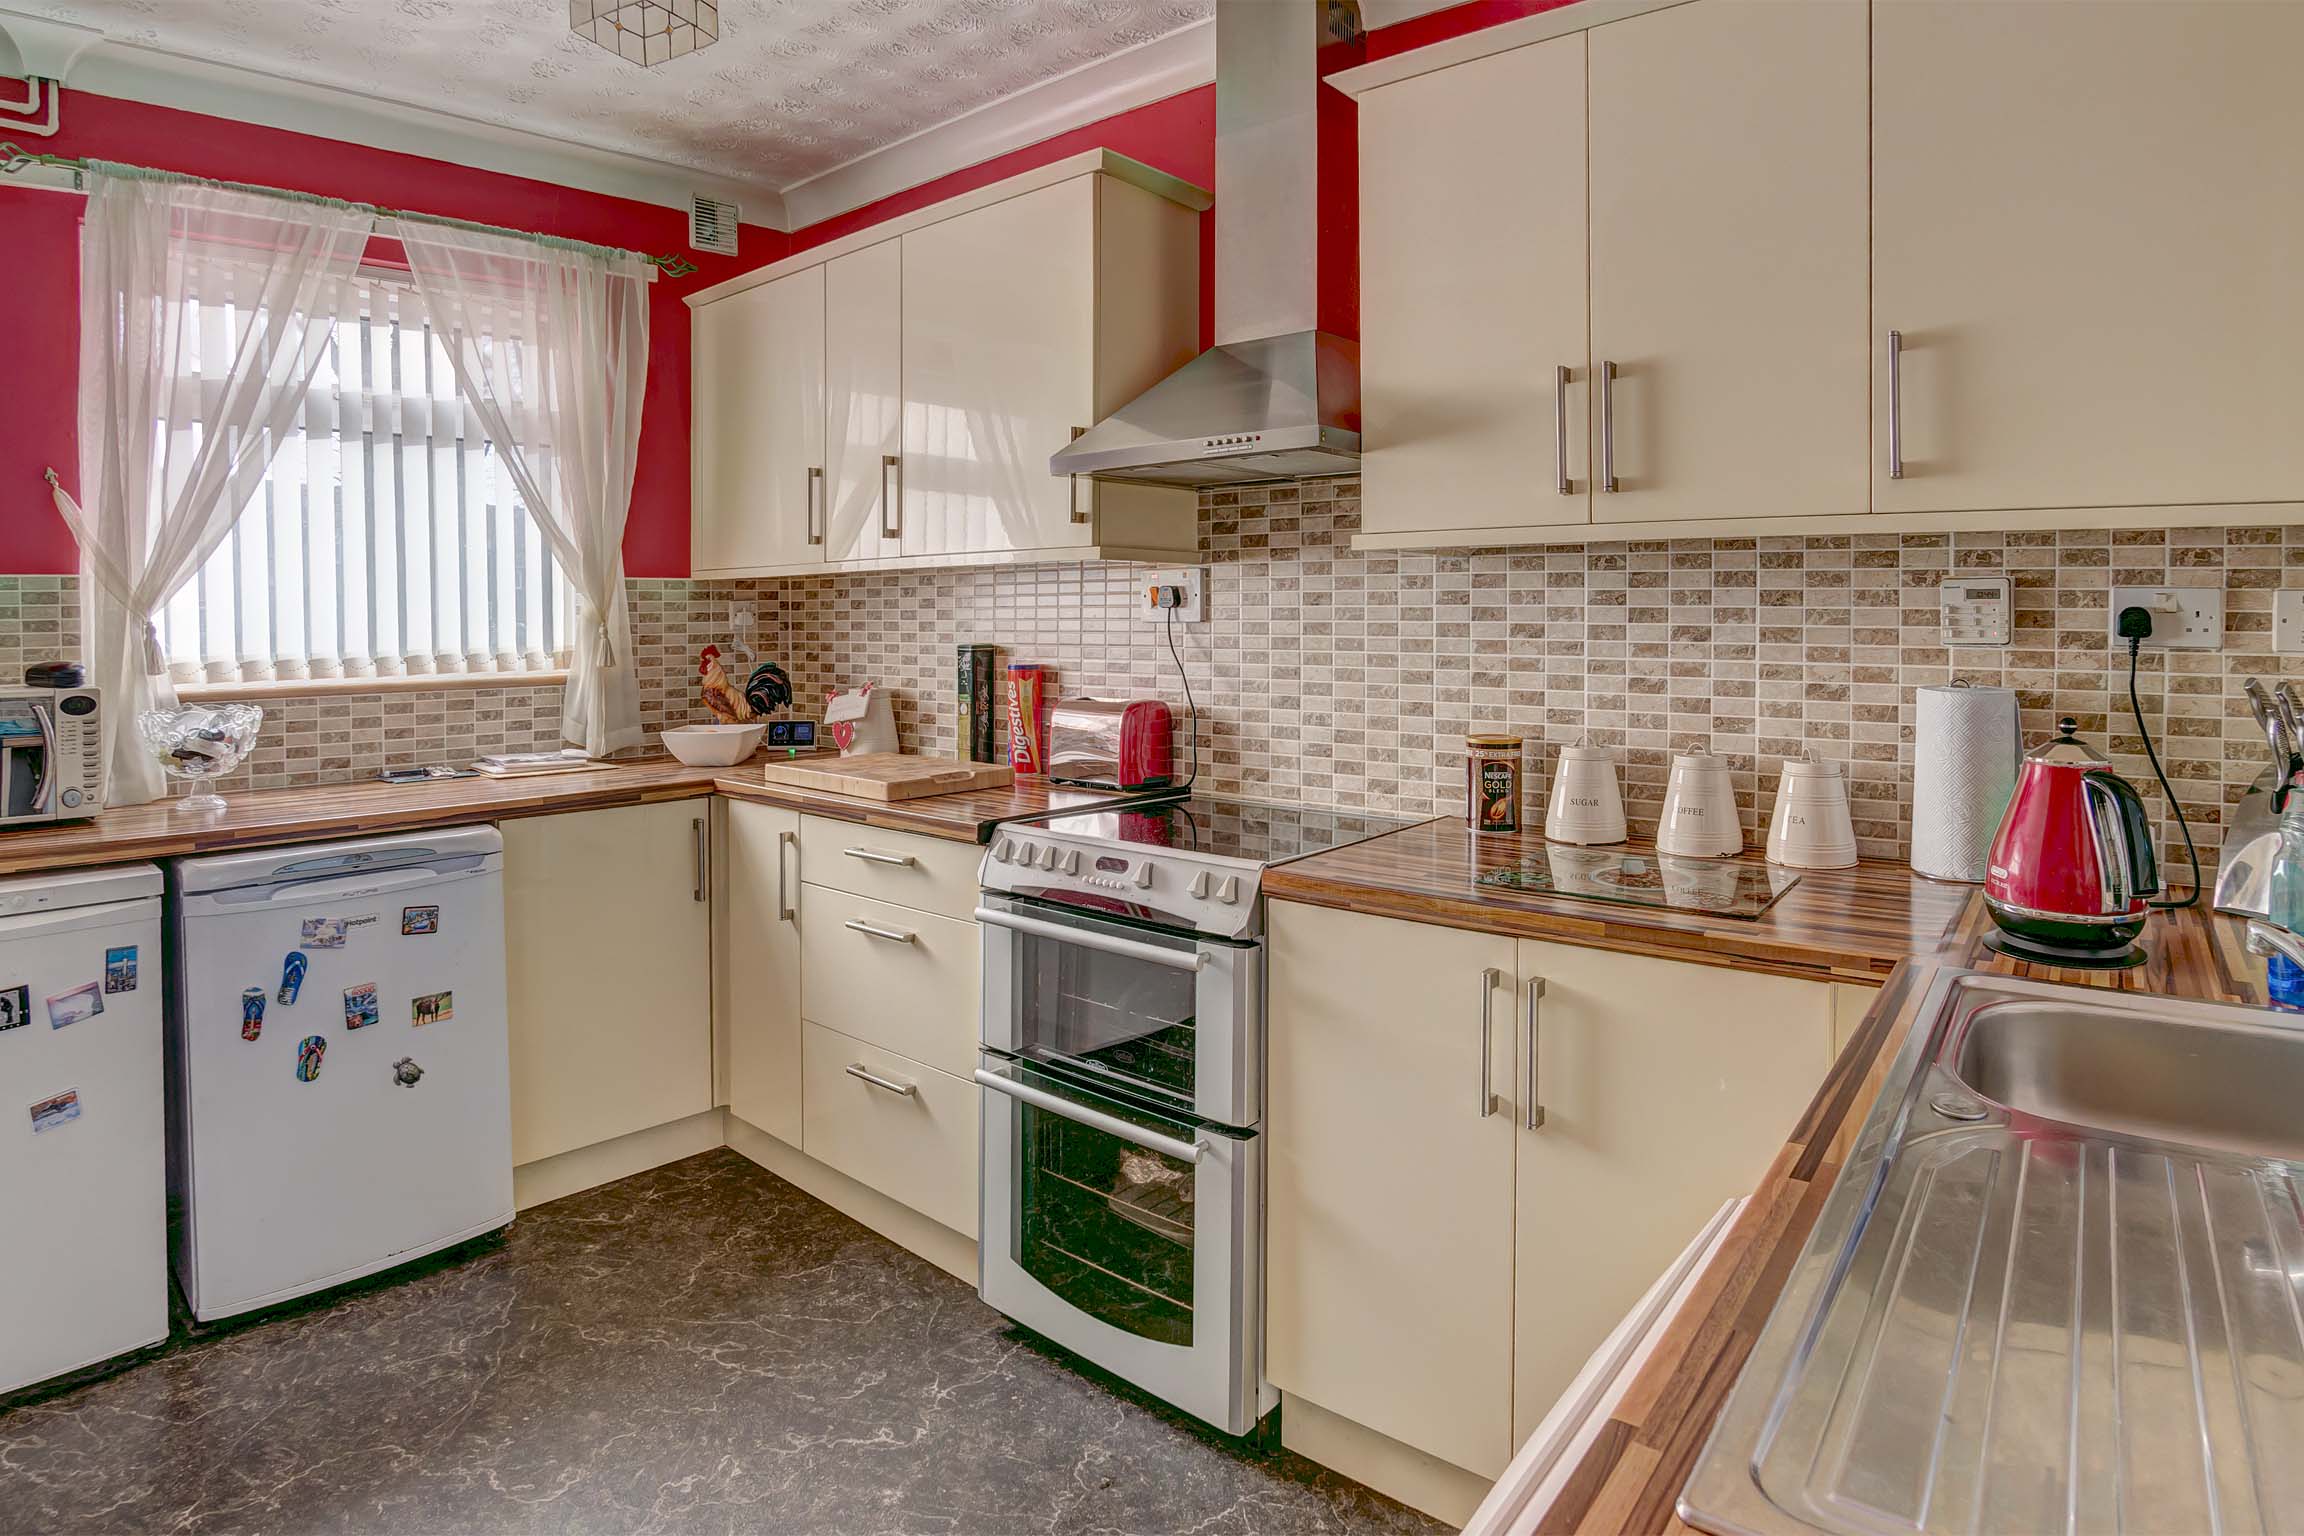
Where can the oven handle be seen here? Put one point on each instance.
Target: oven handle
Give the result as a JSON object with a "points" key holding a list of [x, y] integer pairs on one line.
{"points": [[1153, 954], [1065, 1109]]}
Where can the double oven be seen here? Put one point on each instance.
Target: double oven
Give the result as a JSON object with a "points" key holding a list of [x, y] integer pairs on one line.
{"points": [[1123, 1167]]}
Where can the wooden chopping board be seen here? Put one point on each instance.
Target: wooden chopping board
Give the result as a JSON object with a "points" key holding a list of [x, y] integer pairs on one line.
{"points": [[889, 775]]}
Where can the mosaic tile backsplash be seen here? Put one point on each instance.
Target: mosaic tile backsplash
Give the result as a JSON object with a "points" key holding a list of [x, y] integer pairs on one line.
{"points": [[1351, 679]]}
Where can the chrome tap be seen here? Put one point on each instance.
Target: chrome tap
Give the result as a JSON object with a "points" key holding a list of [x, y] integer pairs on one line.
{"points": [[2269, 938]]}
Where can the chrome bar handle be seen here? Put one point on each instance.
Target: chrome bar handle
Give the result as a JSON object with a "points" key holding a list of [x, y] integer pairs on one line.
{"points": [[815, 503], [856, 1069], [1078, 515], [784, 840], [1095, 1119], [1488, 982], [1895, 405], [875, 856], [874, 930], [700, 854], [1560, 480], [1086, 938], [1608, 427], [891, 503], [1534, 1116]]}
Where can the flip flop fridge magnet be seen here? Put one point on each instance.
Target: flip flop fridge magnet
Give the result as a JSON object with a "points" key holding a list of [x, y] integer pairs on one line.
{"points": [[308, 1058], [251, 1013], [292, 975]]}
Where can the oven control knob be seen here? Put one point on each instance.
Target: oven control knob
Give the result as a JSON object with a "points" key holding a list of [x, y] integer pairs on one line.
{"points": [[1002, 850], [1025, 853], [1071, 861], [1230, 894], [1144, 873], [1200, 885], [1049, 857]]}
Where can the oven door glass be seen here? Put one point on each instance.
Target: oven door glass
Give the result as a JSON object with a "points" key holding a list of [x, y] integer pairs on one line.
{"points": [[1149, 1012], [1125, 1234]]}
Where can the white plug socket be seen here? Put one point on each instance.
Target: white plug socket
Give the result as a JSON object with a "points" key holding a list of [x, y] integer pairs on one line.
{"points": [[2288, 623], [2183, 618], [1192, 579]]}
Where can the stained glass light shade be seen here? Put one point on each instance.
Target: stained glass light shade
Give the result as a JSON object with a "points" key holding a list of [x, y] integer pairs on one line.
{"points": [[647, 31]]}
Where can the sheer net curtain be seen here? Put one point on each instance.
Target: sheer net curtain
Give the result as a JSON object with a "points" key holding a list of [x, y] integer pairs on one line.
{"points": [[386, 539], [155, 502], [549, 343]]}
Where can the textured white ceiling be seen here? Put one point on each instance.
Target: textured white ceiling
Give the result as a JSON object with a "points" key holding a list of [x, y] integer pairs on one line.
{"points": [[792, 89]]}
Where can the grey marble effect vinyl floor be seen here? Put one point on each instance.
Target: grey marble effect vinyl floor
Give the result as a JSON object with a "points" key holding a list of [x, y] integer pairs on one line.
{"points": [[701, 1348]]}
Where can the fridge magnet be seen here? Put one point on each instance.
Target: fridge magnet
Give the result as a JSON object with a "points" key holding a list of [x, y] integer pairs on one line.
{"points": [[251, 1013], [15, 1007], [292, 972], [435, 1008], [60, 1110], [308, 1057], [73, 1006], [417, 921], [323, 933], [360, 1005], [120, 969]]}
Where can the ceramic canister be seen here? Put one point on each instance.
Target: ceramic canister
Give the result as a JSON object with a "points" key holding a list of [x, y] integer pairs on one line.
{"points": [[1699, 809], [1587, 804], [1811, 827]]}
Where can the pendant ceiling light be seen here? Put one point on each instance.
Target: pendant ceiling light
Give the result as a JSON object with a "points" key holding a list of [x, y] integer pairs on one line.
{"points": [[646, 31]]}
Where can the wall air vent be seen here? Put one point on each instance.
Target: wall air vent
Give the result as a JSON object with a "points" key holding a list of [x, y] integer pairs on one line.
{"points": [[711, 225]]}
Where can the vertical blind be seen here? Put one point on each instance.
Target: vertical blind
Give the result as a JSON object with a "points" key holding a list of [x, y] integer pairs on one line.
{"points": [[384, 538]]}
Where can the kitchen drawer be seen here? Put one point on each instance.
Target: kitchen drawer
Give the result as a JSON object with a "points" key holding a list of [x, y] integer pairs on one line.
{"points": [[933, 874], [918, 1147], [911, 986]]}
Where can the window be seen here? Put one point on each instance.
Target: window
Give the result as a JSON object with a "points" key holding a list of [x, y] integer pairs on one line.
{"points": [[385, 538]]}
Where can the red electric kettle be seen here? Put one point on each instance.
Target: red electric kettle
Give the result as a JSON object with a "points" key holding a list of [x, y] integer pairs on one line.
{"points": [[2072, 862]]}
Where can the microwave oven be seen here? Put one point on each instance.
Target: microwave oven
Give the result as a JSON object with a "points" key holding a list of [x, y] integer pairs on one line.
{"points": [[51, 754]]}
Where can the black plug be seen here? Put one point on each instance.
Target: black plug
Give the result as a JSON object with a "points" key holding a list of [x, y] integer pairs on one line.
{"points": [[2135, 625]]}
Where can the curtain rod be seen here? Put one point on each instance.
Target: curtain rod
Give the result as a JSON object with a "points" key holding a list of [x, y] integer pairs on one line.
{"points": [[16, 160]]}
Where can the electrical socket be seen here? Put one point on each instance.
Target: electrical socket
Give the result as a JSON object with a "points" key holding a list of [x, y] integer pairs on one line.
{"points": [[1192, 578], [2287, 623], [2183, 618]]}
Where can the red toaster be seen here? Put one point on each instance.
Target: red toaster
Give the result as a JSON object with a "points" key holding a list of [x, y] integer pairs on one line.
{"points": [[1112, 743]]}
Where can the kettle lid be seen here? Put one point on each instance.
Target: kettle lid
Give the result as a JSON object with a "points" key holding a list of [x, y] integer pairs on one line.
{"points": [[2067, 750]]}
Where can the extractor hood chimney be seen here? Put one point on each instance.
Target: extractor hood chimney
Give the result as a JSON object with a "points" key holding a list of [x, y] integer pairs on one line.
{"points": [[1276, 398]]}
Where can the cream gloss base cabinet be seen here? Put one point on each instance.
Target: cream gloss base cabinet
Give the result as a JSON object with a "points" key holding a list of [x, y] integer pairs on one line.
{"points": [[756, 950], [608, 948], [1437, 1269]]}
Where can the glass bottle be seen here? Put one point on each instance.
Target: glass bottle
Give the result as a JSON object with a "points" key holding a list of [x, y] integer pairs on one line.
{"points": [[2283, 978]]}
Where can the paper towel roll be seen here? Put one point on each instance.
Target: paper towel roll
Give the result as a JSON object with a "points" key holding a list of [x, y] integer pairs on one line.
{"points": [[1965, 747]]}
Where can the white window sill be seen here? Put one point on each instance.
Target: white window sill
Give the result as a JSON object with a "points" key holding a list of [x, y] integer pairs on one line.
{"points": [[326, 687]]}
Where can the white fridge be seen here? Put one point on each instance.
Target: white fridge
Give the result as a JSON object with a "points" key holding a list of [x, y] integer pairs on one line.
{"points": [[82, 1190], [338, 1073]]}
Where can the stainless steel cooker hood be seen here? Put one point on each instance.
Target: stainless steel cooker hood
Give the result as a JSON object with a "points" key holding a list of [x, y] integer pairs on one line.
{"points": [[1275, 398]]}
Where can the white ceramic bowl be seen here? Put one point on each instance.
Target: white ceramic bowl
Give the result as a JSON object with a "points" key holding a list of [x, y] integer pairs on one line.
{"points": [[713, 746]]}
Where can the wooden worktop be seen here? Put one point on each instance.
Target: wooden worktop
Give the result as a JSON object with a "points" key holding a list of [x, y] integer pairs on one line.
{"points": [[1835, 925], [1631, 1477], [264, 817]]}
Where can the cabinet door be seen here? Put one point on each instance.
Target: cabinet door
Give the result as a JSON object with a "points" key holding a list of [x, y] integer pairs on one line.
{"points": [[1729, 239], [608, 952], [1388, 1282], [759, 426], [864, 400], [999, 370], [1667, 1088], [1472, 294], [2081, 232], [757, 944]]}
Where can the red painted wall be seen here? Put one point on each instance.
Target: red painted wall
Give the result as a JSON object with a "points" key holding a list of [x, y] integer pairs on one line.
{"points": [[39, 231]]}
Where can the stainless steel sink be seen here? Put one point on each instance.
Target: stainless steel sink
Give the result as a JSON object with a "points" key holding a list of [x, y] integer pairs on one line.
{"points": [[2209, 1078], [2058, 1287]]}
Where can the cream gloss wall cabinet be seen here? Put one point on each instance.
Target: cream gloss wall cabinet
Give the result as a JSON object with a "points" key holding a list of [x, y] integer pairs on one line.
{"points": [[1689, 347], [1439, 1268], [898, 402], [607, 927]]}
